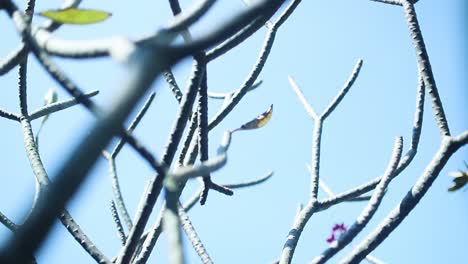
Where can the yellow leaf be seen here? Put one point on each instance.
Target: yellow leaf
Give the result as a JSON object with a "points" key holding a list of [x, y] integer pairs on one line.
{"points": [[76, 16], [460, 179], [259, 121]]}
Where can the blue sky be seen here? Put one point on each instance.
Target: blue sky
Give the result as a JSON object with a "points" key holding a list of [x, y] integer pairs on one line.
{"points": [[319, 45]]}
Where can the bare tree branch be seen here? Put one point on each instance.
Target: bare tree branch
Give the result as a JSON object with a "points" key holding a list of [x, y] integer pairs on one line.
{"points": [[448, 146], [7, 222], [193, 237], [57, 106], [118, 223], [313, 205], [425, 67], [369, 211]]}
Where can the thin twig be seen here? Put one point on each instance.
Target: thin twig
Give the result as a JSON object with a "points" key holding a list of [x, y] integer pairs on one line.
{"points": [[149, 240], [196, 197], [316, 154], [151, 61], [42, 185], [250, 183], [341, 94], [14, 58], [149, 198], [325, 187], [134, 123], [7, 222], [80, 236], [193, 237], [301, 219], [330, 193], [171, 81], [8, 115], [187, 146], [261, 60], [373, 260], [22, 71], [112, 168], [190, 171], [238, 38], [394, 2], [252, 76], [203, 132], [449, 146], [118, 223], [183, 20], [313, 205], [118, 192], [425, 67], [17, 56], [214, 95], [22, 91], [369, 211], [71, 88], [182, 174], [404, 162], [42, 180], [74, 169], [208, 184], [58, 106], [151, 237], [308, 107], [390, 2], [198, 71]]}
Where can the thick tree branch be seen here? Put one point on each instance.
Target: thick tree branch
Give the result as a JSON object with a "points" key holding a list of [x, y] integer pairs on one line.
{"points": [[425, 67]]}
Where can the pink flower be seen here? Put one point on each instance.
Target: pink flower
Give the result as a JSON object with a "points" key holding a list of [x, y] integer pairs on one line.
{"points": [[340, 229]]}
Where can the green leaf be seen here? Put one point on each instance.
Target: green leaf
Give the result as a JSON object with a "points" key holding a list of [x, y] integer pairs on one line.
{"points": [[76, 16]]}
